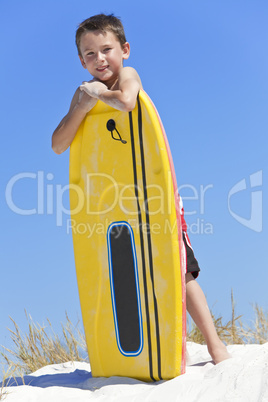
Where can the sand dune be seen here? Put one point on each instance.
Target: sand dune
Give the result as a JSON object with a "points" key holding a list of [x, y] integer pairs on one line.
{"points": [[243, 378]]}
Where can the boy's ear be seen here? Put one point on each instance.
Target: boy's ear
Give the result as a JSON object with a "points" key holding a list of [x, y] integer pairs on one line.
{"points": [[126, 51], [82, 61]]}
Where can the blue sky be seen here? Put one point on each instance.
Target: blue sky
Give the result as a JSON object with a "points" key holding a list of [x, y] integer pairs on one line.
{"points": [[204, 64]]}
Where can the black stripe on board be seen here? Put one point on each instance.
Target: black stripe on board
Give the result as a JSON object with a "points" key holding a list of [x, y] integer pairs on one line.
{"points": [[142, 247], [149, 238]]}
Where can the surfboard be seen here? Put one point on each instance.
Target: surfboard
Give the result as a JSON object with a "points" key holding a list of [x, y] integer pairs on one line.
{"points": [[127, 243]]}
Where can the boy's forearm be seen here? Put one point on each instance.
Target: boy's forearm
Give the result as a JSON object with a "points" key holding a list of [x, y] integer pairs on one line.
{"points": [[123, 99], [124, 95], [118, 100], [66, 130]]}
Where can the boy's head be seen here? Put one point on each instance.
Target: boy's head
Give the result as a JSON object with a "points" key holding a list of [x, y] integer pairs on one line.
{"points": [[103, 23]]}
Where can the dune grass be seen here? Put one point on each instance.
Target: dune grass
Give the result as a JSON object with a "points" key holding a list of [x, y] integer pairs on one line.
{"points": [[7, 376], [41, 346], [234, 332]]}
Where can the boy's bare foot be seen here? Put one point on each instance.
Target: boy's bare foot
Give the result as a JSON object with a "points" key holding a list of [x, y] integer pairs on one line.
{"points": [[219, 353]]}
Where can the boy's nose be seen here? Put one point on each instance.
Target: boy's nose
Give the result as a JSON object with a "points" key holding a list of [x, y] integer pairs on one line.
{"points": [[99, 57]]}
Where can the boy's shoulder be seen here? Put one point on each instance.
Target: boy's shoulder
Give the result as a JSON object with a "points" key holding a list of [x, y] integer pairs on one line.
{"points": [[128, 70], [129, 73]]}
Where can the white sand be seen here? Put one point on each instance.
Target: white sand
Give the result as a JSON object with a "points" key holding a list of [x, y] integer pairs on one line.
{"points": [[243, 378]]}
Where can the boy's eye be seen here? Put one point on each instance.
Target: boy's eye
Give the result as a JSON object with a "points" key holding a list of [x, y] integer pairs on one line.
{"points": [[107, 49], [90, 53]]}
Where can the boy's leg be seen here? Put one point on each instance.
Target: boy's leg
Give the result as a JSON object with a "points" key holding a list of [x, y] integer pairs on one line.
{"points": [[198, 309]]}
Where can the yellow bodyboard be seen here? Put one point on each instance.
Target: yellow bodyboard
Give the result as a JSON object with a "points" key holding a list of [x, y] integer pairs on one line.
{"points": [[127, 243]]}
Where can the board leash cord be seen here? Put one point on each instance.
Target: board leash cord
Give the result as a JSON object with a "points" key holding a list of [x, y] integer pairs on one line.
{"points": [[111, 127]]}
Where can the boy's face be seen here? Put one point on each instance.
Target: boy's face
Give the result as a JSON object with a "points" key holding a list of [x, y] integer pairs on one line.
{"points": [[102, 55]]}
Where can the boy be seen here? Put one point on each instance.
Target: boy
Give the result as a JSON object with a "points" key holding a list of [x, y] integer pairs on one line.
{"points": [[102, 47]]}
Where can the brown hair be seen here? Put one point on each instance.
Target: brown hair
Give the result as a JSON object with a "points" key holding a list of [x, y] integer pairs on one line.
{"points": [[104, 23]]}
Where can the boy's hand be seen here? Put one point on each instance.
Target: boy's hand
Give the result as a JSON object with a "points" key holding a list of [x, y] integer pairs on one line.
{"points": [[94, 88], [85, 101]]}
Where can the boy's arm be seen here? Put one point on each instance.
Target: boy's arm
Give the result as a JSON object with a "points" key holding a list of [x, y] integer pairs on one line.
{"points": [[124, 98], [64, 134]]}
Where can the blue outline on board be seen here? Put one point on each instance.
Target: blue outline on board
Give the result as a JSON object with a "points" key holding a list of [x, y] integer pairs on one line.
{"points": [[138, 351]]}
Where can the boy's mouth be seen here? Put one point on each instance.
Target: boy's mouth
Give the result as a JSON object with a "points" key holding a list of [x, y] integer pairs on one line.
{"points": [[100, 69]]}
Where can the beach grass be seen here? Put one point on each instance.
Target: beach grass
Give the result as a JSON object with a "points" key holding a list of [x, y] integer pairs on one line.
{"points": [[234, 331], [41, 346], [7, 376]]}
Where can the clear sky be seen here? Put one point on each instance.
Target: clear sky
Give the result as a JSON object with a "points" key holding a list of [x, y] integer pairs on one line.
{"points": [[205, 66]]}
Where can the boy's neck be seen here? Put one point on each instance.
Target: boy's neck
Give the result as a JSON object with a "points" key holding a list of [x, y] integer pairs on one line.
{"points": [[114, 85]]}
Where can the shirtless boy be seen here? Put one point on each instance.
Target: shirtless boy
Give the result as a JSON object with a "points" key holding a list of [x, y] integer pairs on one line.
{"points": [[102, 48]]}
